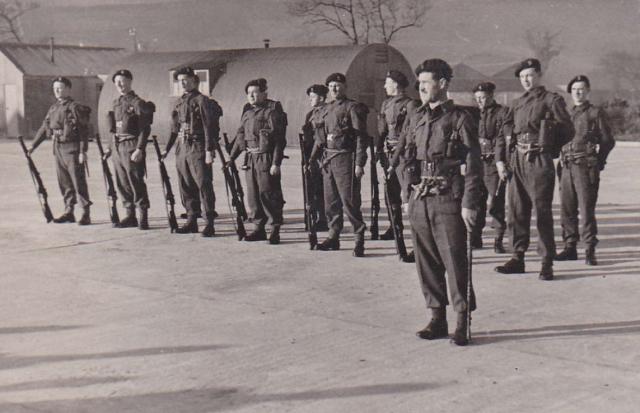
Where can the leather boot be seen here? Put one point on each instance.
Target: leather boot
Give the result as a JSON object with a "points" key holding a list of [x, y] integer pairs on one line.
{"points": [[258, 234], [569, 253], [460, 335], [590, 255], [546, 271], [85, 219], [329, 244], [209, 229], [67, 217], [130, 220], [437, 327], [358, 249], [498, 248], [410, 257], [143, 224], [476, 241], [515, 265], [189, 227], [274, 237], [388, 235]]}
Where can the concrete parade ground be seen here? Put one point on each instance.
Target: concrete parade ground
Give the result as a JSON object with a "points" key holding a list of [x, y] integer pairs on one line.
{"points": [[102, 320]]}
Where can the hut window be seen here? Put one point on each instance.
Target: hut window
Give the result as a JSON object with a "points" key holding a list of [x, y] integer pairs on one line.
{"points": [[203, 74]]}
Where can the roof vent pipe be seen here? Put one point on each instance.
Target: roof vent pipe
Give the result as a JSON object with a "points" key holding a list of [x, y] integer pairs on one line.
{"points": [[266, 43], [53, 60]]}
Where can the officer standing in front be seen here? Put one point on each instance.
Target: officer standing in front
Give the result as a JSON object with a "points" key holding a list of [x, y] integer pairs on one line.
{"points": [[540, 125], [345, 155], [67, 123], [490, 130], [262, 134], [195, 124], [582, 159], [130, 124], [444, 200]]}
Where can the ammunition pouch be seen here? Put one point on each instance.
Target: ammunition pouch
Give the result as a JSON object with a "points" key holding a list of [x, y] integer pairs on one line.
{"points": [[488, 157], [487, 147], [431, 186]]}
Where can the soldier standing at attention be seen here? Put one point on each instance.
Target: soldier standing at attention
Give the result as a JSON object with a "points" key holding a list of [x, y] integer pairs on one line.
{"points": [[582, 160], [130, 124], [345, 155], [313, 130], [67, 123], [540, 125], [262, 134], [492, 116], [196, 125], [444, 202], [391, 121]]}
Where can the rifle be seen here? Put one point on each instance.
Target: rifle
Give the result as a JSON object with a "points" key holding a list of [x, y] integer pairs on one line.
{"points": [[469, 283], [170, 200], [112, 197], [234, 186], [401, 248], [375, 191], [37, 183], [309, 221]]}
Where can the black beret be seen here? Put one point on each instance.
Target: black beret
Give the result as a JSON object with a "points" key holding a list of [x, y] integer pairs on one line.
{"points": [[579, 78], [398, 77], [530, 63], [260, 83], [61, 79], [188, 71], [321, 90], [488, 87], [336, 77], [438, 67], [122, 72]]}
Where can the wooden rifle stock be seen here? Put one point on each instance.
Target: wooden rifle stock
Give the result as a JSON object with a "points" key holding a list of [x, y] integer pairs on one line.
{"points": [[37, 183]]}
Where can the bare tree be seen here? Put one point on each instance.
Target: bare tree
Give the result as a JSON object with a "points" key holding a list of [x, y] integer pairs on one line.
{"points": [[543, 44], [362, 20], [10, 13]]}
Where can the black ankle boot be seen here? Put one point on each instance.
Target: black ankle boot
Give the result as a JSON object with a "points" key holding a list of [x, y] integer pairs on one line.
{"points": [[590, 256], [437, 327], [498, 248], [567, 254], [274, 237], [143, 224], [190, 227], [460, 337], [67, 217], [130, 220], [546, 271], [209, 230], [329, 244], [85, 219], [410, 257], [258, 234], [388, 235], [358, 249], [515, 265]]}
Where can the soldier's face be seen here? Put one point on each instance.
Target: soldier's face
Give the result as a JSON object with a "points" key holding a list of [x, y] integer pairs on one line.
{"points": [[529, 78], [255, 96], [123, 84], [337, 89], [431, 90], [188, 83], [579, 93], [483, 99], [60, 90], [390, 87], [316, 99]]}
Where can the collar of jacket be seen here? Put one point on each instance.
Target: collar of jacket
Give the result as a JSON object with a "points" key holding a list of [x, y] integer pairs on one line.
{"points": [[65, 100], [190, 94], [535, 92], [581, 108], [493, 105]]}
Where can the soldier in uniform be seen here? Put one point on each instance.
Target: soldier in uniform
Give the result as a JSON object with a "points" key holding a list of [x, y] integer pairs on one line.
{"points": [[195, 124], [444, 201], [540, 125], [262, 134], [345, 154], [313, 130], [391, 121], [67, 123], [490, 129], [582, 159], [130, 125]]}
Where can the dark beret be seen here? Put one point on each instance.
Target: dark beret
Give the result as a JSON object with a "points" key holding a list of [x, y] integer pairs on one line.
{"points": [[530, 63], [188, 71], [61, 79], [321, 90], [260, 83], [439, 68], [488, 87], [398, 77], [336, 77], [122, 72], [579, 78]]}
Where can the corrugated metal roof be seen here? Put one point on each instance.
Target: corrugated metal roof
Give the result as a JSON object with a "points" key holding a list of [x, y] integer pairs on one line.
{"points": [[35, 59], [465, 78]]}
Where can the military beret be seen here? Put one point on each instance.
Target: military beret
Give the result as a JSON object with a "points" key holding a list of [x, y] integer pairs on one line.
{"points": [[62, 79], [488, 87], [122, 72], [260, 83], [579, 78], [439, 68], [336, 77], [530, 63], [321, 90], [398, 77], [188, 71]]}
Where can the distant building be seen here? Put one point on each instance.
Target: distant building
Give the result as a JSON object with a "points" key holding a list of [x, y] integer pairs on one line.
{"points": [[508, 86], [464, 80], [26, 71]]}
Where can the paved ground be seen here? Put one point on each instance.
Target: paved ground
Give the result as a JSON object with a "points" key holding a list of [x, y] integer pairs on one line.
{"points": [[99, 320]]}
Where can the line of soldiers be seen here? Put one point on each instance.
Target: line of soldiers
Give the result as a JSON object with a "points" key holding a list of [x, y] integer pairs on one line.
{"points": [[443, 164]]}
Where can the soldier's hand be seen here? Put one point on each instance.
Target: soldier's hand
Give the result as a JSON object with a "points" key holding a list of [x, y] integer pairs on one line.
{"points": [[502, 170], [275, 170], [208, 157], [359, 172], [390, 170], [106, 155], [469, 217], [30, 150], [82, 157], [164, 155], [137, 155], [307, 167]]}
